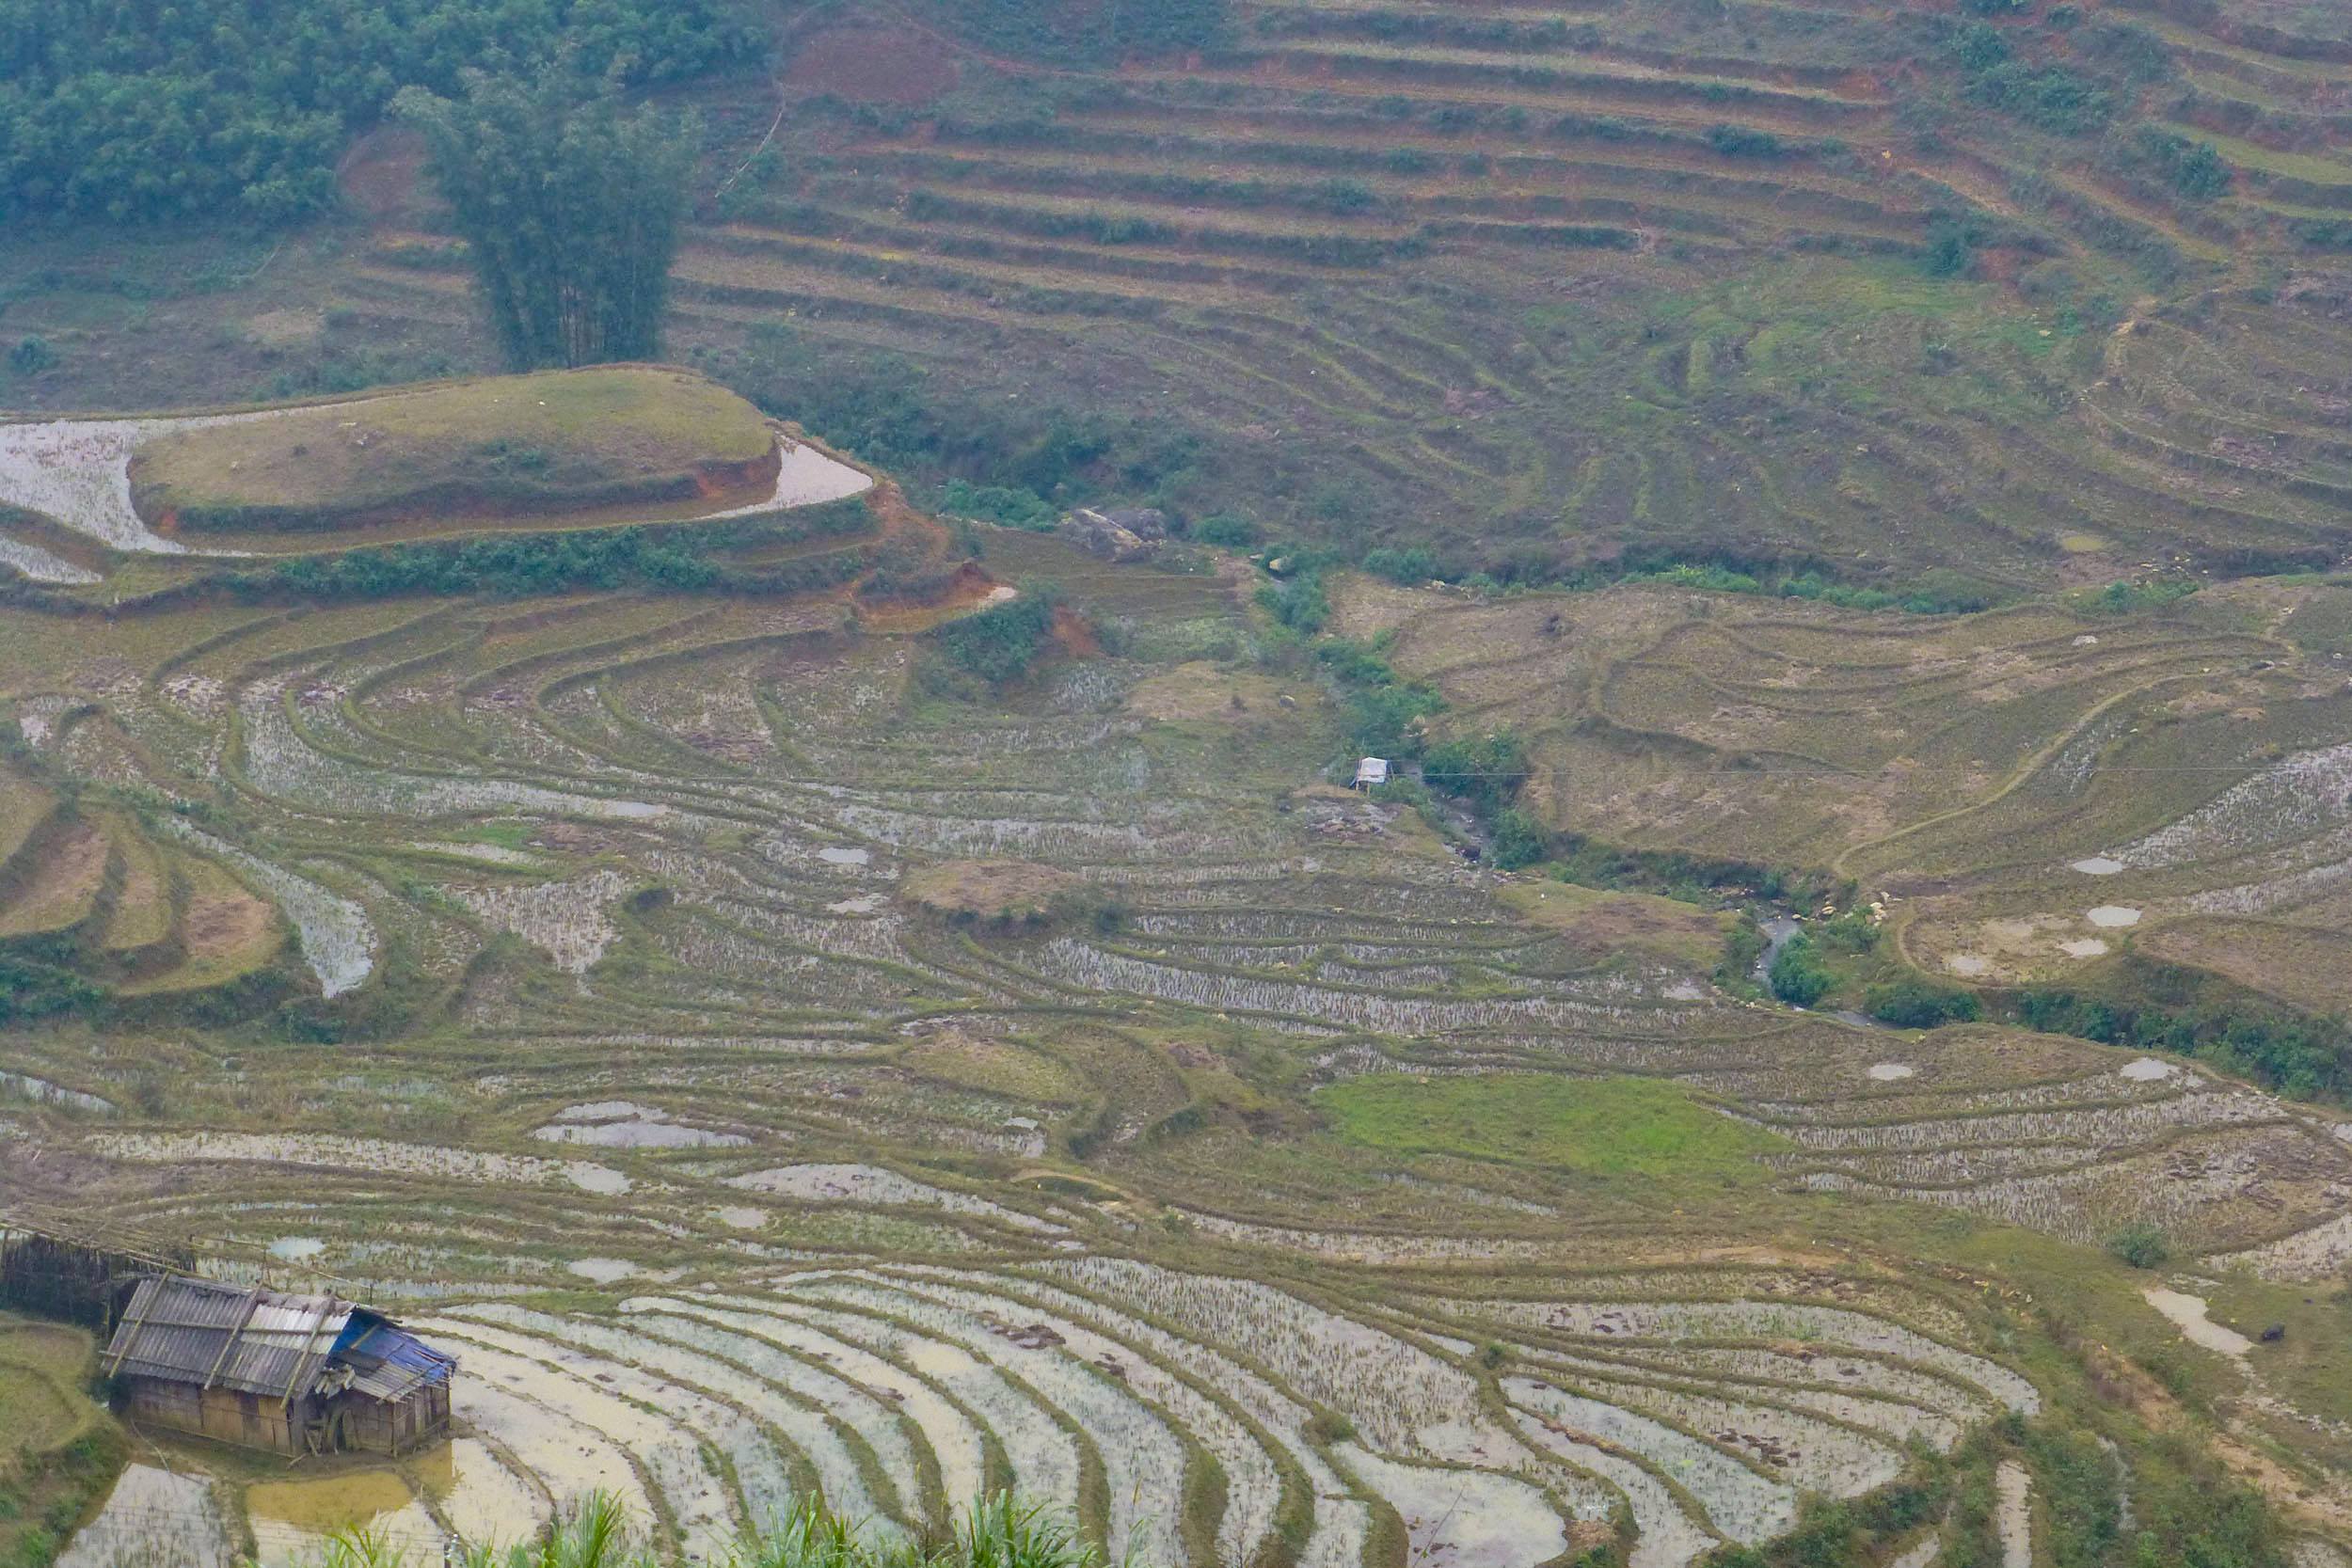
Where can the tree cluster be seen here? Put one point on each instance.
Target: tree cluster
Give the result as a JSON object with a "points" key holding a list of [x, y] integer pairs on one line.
{"points": [[570, 209], [138, 112]]}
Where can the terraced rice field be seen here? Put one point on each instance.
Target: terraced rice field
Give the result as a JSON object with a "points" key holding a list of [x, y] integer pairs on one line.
{"points": [[549, 971], [1576, 272], [2033, 797]]}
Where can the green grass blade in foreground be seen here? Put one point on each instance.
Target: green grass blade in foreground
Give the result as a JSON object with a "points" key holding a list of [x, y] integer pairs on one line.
{"points": [[997, 1532]]}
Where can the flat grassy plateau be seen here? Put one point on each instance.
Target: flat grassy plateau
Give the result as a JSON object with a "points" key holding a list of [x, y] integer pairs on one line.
{"points": [[560, 441]]}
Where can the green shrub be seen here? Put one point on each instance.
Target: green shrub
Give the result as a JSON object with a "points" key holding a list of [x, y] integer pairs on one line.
{"points": [[1487, 771], [1741, 141], [1917, 1003], [1410, 567], [1002, 641], [32, 356], [1520, 839], [1797, 976], [2125, 599], [2193, 169], [2125, 49], [2050, 97], [2141, 1244], [1298, 602], [1227, 530], [1979, 48], [557, 561], [1951, 251], [2300, 1058], [1848, 934], [1008, 505]]}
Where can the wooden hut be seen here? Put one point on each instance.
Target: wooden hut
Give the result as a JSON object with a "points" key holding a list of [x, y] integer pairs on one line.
{"points": [[293, 1374]]}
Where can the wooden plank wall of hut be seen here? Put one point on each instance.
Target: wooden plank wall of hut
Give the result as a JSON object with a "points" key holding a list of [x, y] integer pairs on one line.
{"points": [[377, 1426], [252, 1420]]}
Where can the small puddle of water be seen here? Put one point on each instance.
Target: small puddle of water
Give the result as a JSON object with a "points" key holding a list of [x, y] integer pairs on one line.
{"points": [[1888, 1072], [294, 1250], [2187, 1314], [741, 1217], [604, 1271], [2113, 915], [2083, 948], [325, 1504], [2096, 865], [833, 854], [2147, 1070]]}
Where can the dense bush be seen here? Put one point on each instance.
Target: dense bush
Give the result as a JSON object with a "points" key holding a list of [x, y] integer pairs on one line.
{"points": [[2050, 97], [1520, 839], [2142, 1245], [672, 558], [2126, 599], [1840, 1534], [1002, 641], [1797, 976], [31, 990], [998, 503], [1916, 1003], [1298, 601], [239, 108], [1742, 141], [1936, 592], [2301, 1058], [2193, 169], [1224, 529], [1384, 711], [2053, 98], [1488, 772], [1412, 567]]}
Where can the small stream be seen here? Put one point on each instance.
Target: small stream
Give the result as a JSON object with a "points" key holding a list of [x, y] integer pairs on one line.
{"points": [[1463, 820], [1779, 929]]}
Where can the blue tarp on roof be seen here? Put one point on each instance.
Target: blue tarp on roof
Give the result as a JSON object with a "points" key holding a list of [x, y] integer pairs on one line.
{"points": [[386, 1361]]}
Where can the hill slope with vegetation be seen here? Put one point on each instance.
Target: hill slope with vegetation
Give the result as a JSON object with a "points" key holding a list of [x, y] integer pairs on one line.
{"points": [[1826, 1051]]}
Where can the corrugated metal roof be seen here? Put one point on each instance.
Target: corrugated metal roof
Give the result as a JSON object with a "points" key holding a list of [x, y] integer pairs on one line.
{"points": [[257, 1342], [388, 1361]]}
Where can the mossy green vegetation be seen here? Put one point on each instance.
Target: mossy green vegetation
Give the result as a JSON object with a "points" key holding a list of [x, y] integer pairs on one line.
{"points": [[1596, 1127]]}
